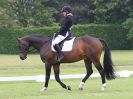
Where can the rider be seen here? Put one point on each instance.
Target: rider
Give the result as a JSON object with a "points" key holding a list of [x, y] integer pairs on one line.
{"points": [[64, 31]]}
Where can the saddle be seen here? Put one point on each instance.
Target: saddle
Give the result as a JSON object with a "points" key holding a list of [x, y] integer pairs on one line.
{"points": [[66, 44]]}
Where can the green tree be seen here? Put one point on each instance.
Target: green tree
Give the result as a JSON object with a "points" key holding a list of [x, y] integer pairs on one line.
{"points": [[111, 11], [5, 19], [21, 11], [31, 13], [43, 15]]}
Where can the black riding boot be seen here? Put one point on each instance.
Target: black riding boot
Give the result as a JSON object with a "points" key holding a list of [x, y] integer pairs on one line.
{"points": [[59, 53]]}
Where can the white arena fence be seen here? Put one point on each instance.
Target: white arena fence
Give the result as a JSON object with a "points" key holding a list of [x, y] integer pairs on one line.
{"points": [[41, 78]]}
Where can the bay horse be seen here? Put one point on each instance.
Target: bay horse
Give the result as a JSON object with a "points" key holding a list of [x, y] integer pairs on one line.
{"points": [[87, 48]]}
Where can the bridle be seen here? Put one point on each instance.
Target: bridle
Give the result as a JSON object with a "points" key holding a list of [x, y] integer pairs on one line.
{"points": [[26, 50]]}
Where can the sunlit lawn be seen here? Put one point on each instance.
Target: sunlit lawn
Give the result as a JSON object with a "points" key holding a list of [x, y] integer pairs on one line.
{"points": [[11, 65], [120, 88]]}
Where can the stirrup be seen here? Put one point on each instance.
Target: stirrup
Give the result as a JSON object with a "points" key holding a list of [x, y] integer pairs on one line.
{"points": [[59, 57]]}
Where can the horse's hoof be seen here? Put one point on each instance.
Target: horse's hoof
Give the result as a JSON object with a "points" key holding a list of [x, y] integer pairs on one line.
{"points": [[81, 85], [103, 87], [80, 88], [68, 87], [43, 89]]}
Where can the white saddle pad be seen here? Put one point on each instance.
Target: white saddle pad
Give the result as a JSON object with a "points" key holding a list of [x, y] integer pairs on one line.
{"points": [[67, 45]]}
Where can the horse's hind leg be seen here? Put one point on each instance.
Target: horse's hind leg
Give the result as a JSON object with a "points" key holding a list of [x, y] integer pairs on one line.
{"points": [[101, 71], [88, 65], [56, 72]]}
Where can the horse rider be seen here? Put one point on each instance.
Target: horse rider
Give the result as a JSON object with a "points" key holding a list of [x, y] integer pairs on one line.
{"points": [[64, 31]]}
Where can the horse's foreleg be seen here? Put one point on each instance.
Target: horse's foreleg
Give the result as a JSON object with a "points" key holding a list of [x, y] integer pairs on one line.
{"points": [[88, 65], [57, 72], [47, 76]]}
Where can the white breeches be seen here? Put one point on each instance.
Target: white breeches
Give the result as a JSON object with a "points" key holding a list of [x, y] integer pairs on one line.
{"points": [[59, 38]]}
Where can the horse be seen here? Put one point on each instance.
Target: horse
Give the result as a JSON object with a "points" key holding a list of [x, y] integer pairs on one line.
{"points": [[88, 48]]}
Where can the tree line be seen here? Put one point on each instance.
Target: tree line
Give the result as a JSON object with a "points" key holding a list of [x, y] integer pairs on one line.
{"points": [[30, 13]]}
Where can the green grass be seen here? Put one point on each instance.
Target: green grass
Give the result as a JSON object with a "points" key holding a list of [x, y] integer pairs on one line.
{"points": [[120, 88], [11, 65], [123, 57]]}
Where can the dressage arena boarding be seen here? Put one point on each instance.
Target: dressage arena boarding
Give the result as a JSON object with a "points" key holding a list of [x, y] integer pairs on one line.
{"points": [[41, 78]]}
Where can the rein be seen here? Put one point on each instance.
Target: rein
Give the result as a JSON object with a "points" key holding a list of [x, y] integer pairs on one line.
{"points": [[31, 50], [27, 51]]}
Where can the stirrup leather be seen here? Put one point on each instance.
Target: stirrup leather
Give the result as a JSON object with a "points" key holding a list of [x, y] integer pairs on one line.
{"points": [[59, 56]]}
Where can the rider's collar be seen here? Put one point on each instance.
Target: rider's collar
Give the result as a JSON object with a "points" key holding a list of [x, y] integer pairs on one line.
{"points": [[70, 14]]}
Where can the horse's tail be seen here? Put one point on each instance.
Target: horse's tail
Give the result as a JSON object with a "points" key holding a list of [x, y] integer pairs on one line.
{"points": [[107, 62]]}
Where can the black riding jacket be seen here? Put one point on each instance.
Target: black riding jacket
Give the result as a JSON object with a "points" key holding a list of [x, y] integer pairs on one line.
{"points": [[66, 25]]}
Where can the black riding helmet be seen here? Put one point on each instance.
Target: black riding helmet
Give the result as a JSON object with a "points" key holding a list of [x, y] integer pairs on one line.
{"points": [[66, 9]]}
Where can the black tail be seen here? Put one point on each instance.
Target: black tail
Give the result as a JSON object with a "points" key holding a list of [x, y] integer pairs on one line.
{"points": [[107, 62]]}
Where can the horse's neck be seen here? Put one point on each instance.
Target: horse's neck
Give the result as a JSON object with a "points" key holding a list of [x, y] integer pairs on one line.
{"points": [[37, 42], [37, 45]]}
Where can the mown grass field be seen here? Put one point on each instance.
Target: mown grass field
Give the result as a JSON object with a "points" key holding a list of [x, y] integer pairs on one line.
{"points": [[11, 65], [121, 88]]}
